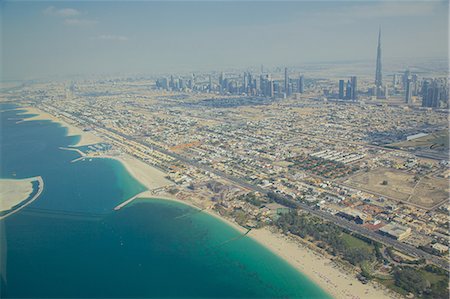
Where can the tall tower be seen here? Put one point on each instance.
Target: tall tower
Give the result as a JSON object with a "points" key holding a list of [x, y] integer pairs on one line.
{"points": [[341, 89], [378, 78], [354, 83], [286, 81], [301, 84]]}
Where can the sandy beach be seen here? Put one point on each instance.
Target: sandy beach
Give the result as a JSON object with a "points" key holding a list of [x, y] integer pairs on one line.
{"points": [[319, 269], [86, 138], [150, 177], [14, 192]]}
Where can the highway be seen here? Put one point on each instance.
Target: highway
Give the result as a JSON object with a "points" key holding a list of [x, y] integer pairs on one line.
{"points": [[351, 226]]}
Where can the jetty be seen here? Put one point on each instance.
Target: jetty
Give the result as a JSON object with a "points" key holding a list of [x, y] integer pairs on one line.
{"points": [[127, 201]]}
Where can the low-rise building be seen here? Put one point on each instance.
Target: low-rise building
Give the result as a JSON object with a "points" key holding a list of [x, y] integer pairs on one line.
{"points": [[395, 231]]}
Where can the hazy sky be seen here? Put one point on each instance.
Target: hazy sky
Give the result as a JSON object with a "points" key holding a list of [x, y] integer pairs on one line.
{"points": [[64, 38]]}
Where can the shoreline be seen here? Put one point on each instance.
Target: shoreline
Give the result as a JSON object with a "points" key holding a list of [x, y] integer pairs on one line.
{"points": [[27, 200], [318, 269], [86, 138], [192, 205]]}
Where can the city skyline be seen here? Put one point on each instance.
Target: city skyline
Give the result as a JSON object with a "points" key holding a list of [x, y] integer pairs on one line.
{"points": [[81, 38]]}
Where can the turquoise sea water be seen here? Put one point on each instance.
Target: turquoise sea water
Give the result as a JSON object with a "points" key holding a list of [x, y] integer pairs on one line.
{"points": [[70, 242]]}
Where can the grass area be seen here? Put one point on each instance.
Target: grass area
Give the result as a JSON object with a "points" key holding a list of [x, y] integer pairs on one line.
{"points": [[354, 242], [433, 277], [438, 140], [390, 283]]}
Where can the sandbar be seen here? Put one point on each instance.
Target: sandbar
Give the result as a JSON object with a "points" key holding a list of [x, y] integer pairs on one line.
{"points": [[14, 192]]}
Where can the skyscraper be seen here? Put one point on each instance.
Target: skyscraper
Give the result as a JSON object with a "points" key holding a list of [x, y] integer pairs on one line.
{"points": [[210, 84], [408, 91], [348, 90], [341, 89], [435, 93], [405, 79], [221, 77], [378, 77], [354, 95], [286, 81], [301, 84]]}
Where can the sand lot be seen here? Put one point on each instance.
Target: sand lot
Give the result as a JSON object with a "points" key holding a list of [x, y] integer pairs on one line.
{"points": [[427, 192]]}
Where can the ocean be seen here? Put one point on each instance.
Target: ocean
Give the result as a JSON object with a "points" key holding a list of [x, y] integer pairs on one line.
{"points": [[70, 243]]}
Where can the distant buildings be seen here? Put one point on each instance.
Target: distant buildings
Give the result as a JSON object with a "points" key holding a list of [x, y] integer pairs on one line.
{"points": [[236, 85], [435, 93], [351, 89]]}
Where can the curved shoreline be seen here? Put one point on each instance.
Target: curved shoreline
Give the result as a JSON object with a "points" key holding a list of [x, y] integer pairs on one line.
{"points": [[27, 201]]}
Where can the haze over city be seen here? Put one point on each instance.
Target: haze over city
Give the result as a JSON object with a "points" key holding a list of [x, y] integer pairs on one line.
{"points": [[82, 38]]}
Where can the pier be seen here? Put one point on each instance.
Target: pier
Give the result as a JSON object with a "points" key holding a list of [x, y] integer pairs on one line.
{"points": [[127, 201]]}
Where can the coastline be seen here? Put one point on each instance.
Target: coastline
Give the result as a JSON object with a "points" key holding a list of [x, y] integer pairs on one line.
{"points": [[86, 138], [319, 269], [27, 200]]}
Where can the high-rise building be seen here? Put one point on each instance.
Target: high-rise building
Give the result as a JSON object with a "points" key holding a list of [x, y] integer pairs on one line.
{"points": [[271, 88], [172, 82], [181, 83], [348, 90], [301, 84], [435, 93], [341, 89], [262, 85], [245, 82], [354, 83], [210, 84], [405, 79], [378, 75], [221, 77], [286, 81], [408, 91]]}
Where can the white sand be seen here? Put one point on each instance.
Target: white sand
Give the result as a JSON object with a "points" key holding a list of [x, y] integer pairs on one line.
{"points": [[150, 177], [86, 137], [319, 269], [13, 192]]}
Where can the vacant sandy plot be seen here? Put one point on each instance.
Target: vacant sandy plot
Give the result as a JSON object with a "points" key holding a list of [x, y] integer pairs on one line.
{"points": [[399, 185], [430, 192]]}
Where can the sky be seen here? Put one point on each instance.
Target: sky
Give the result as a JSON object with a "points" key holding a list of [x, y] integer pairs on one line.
{"points": [[61, 38]]}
